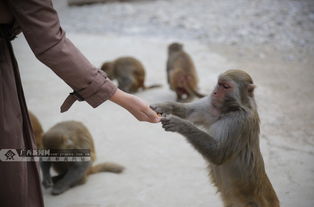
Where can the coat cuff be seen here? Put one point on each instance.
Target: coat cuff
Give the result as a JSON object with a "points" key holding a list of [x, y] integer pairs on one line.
{"points": [[98, 91]]}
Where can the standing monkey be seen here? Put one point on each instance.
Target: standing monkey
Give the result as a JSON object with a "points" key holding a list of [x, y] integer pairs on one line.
{"points": [[129, 72], [231, 141], [181, 73], [71, 135]]}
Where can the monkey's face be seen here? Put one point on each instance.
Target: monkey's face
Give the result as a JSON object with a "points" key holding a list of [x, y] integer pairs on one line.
{"points": [[175, 47], [234, 88], [223, 91]]}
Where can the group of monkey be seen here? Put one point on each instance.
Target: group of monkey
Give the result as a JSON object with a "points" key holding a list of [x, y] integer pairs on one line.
{"points": [[223, 127], [181, 74]]}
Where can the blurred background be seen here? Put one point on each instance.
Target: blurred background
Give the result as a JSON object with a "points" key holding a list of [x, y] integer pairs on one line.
{"points": [[273, 40]]}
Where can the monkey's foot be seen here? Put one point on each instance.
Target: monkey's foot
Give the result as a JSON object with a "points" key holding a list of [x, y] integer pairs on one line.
{"points": [[56, 190]]}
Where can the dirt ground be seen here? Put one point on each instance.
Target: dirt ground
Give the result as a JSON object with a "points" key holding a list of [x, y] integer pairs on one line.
{"points": [[162, 169]]}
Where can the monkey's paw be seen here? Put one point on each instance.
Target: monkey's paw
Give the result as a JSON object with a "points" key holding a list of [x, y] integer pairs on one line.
{"points": [[162, 108], [172, 123], [58, 189], [47, 183]]}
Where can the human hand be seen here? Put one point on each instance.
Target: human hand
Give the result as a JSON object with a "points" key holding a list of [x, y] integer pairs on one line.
{"points": [[136, 106]]}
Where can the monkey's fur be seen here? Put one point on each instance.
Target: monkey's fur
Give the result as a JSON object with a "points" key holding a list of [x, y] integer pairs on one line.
{"points": [[229, 141], [71, 135], [37, 130], [129, 72], [181, 73]]}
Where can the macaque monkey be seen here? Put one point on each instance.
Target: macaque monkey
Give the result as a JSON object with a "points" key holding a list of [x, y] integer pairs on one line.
{"points": [[129, 72], [228, 140], [181, 73], [71, 135], [37, 130]]}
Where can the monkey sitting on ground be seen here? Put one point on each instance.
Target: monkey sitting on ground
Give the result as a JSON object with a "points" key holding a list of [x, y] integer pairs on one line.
{"points": [[230, 141], [181, 73], [71, 135], [37, 130], [129, 72]]}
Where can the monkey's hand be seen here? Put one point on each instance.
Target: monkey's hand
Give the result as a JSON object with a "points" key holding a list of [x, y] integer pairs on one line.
{"points": [[162, 108], [174, 123], [47, 182]]}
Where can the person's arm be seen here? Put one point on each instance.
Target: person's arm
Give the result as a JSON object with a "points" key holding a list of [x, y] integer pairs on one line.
{"points": [[40, 25]]}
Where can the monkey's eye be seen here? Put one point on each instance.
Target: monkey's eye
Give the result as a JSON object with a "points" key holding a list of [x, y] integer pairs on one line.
{"points": [[225, 86]]}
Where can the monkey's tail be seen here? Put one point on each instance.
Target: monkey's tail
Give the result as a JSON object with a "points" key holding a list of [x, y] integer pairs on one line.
{"points": [[152, 86], [105, 167], [192, 90]]}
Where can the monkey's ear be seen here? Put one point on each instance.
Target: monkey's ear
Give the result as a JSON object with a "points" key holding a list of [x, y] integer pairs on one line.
{"points": [[250, 89]]}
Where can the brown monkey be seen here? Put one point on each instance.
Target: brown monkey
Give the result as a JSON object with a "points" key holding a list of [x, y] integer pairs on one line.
{"points": [[229, 141], [37, 130], [181, 73], [71, 135], [129, 72]]}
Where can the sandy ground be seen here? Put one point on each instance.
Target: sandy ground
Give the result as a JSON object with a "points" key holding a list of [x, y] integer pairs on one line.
{"points": [[162, 169]]}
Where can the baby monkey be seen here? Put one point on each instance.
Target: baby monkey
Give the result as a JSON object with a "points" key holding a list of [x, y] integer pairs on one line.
{"points": [[181, 73], [229, 141], [129, 72], [71, 135]]}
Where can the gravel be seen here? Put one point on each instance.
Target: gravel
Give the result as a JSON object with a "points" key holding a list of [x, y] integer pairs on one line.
{"points": [[279, 23]]}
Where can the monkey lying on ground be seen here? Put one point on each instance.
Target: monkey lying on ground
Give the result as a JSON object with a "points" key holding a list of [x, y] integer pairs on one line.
{"points": [[37, 129], [181, 73], [230, 142], [129, 72], [71, 135]]}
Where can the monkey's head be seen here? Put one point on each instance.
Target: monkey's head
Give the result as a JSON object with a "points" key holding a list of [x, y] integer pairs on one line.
{"points": [[234, 89], [107, 67], [175, 47]]}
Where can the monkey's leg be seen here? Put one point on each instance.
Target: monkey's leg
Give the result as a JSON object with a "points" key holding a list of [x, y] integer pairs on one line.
{"points": [[201, 141], [56, 178], [179, 97], [71, 178], [45, 168], [189, 98]]}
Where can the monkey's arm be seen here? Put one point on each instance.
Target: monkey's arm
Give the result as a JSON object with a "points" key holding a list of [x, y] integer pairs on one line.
{"points": [[178, 109], [198, 112], [45, 168], [216, 151]]}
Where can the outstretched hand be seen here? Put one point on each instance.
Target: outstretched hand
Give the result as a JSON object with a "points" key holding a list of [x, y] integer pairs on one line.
{"points": [[136, 106]]}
